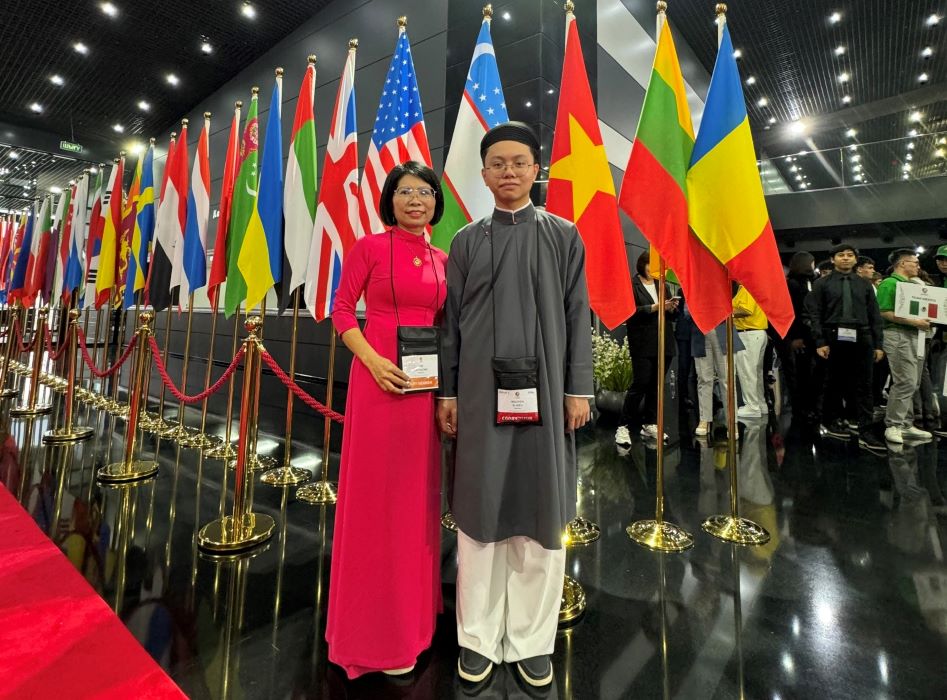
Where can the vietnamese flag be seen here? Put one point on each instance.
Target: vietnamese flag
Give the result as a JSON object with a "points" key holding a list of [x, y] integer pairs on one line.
{"points": [[581, 189]]}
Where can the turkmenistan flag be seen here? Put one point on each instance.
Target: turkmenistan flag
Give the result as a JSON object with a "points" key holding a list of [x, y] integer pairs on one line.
{"points": [[654, 189], [481, 108], [244, 202]]}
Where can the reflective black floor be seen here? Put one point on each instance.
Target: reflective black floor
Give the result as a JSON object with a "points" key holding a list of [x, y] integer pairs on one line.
{"points": [[847, 600]]}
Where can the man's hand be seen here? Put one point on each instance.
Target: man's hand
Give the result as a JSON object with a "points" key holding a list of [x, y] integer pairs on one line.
{"points": [[922, 323], [578, 412], [447, 417], [879, 355], [823, 352]]}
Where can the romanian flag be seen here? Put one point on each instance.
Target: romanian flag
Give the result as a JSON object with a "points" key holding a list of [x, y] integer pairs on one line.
{"points": [[727, 210], [108, 253], [243, 205], [654, 189], [581, 189]]}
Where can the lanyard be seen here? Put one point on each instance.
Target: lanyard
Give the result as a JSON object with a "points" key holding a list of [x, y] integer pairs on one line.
{"points": [[391, 263]]}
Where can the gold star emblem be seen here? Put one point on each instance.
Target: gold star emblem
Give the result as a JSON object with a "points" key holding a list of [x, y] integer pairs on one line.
{"points": [[586, 167]]}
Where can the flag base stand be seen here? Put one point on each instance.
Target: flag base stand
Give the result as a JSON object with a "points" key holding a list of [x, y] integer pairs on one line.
{"points": [[320, 493], [573, 601], [286, 475], [63, 436], [222, 451], [39, 409], [125, 472], [227, 535], [738, 530], [256, 463], [9, 393], [580, 531], [660, 536], [448, 522]]}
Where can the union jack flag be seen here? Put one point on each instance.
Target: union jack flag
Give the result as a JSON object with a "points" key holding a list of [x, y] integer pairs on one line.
{"points": [[399, 134]]}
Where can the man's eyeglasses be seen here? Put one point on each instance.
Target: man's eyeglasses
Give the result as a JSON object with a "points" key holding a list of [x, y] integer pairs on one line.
{"points": [[409, 192], [520, 167]]}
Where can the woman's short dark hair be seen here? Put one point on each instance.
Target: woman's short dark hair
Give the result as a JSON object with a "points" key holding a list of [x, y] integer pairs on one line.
{"points": [[801, 263], [643, 261], [386, 207]]}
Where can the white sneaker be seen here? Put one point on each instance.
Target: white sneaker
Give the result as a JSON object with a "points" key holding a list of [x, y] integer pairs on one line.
{"points": [[915, 433], [703, 428], [651, 431], [622, 436], [893, 434]]}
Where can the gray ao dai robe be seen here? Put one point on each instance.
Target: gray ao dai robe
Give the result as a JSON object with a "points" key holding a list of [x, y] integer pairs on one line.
{"points": [[515, 480]]}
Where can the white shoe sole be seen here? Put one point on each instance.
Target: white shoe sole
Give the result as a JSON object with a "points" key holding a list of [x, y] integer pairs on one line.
{"points": [[473, 677], [535, 682], [399, 671]]}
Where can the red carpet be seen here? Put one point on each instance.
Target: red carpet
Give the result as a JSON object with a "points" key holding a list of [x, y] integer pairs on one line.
{"points": [[58, 638]]}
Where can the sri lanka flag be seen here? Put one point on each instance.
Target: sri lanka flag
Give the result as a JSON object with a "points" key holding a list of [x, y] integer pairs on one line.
{"points": [[337, 211], [727, 211], [654, 189], [482, 107]]}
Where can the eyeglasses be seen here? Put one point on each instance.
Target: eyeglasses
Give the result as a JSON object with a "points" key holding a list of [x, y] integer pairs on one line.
{"points": [[520, 167], [409, 192]]}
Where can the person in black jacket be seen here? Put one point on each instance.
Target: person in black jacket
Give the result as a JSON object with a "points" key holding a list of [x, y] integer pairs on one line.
{"points": [[847, 332], [805, 383], [641, 399]]}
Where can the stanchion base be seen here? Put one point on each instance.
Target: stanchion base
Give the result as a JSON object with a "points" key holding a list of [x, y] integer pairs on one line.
{"points": [[580, 531], [448, 522], [120, 410], [573, 601], [222, 451], [61, 436], [121, 473], [226, 535], [738, 530], [661, 537], [257, 463], [39, 409], [320, 493], [9, 393], [286, 476]]}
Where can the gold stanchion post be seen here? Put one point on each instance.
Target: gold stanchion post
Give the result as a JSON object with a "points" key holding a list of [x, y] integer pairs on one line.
{"points": [[31, 407], [70, 432], [324, 492], [179, 433], [243, 529], [202, 440], [131, 469], [13, 315], [224, 450]]}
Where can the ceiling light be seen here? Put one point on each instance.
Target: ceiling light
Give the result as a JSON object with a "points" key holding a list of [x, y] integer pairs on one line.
{"points": [[844, 77], [853, 147], [738, 54], [56, 79], [846, 99], [835, 18], [839, 50], [143, 105], [136, 147], [912, 132], [923, 78], [927, 52], [920, 250], [906, 167], [905, 176], [36, 108], [794, 169], [851, 133], [798, 128], [909, 156], [857, 167], [803, 152], [248, 10], [799, 178], [910, 145], [916, 116], [528, 103], [940, 153], [172, 79], [858, 178], [55, 190], [507, 16], [856, 158], [933, 20], [751, 80], [772, 120], [81, 48], [93, 170], [109, 9], [13, 155], [803, 186], [118, 128], [762, 102], [206, 48]]}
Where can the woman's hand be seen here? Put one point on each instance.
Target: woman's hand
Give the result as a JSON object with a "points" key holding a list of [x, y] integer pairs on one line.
{"points": [[388, 376]]}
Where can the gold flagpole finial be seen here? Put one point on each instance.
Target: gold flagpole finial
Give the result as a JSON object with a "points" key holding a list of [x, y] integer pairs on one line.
{"points": [[151, 141], [488, 11], [254, 91], [570, 7], [311, 59], [174, 134], [238, 104], [353, 44], [721, 8], [279, 72], [402, 22], [206, 115], [662, 6], [184, 123]]}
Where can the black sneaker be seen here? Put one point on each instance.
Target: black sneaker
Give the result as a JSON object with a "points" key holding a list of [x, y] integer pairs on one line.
{"points": [[869, 442], [537, 670], [940, 431], [837, 430], [473, 667], [852, 428]]}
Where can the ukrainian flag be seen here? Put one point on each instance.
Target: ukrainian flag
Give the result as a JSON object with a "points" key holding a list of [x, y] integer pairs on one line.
{"points": [[726, 210]]}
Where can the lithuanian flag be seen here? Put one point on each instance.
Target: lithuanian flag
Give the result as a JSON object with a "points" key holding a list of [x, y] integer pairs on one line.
{"points": [[727, 209], [654, 189]]}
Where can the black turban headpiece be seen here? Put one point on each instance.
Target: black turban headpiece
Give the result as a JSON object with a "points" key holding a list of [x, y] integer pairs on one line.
{"points": [[509, 131]]}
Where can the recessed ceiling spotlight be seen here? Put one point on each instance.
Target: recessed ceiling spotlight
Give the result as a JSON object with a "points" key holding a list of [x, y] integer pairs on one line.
{"points": [[916, 116], [738, 54], [93, 170], [840, 50], [851, 133], [248, 10], [36, 108], [856, 158], [13, 155], [798, 128], [507, 16], [906, 167], [172, 79], [905, 176], [844, 77], [751, 80], [853, 147], [858, 178], [109, 9], [762, 102], [933, 20], [857, 167], [206, 48], [940, 153], [55, 190], [835, 18], [56, 79], [909, 156], [144, 106], [912, 132], [80, 48], [118, 128], [799, 178], [528, 103], [846, 99], [910, 145], [803, 186], [923, 78], [920, 250], [794, 169], [927, 52], [772, 120]]}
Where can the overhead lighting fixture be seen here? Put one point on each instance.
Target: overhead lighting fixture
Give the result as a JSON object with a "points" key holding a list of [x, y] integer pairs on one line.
{"points": [[846, 99], [835, 18], [857, 167], [905, 176], [909, 156], [80, 48], [840, 50], [851, 133], [933, 20], [927, 52], [738, 54], [910, 145], [136, 147], [528, 103], [55, 190], [93, 170], [912, 133], [858, 178], [940, 153], [109, 9], [798, 128], [36, 108], [206, 48], [853, 147], [923, 78], [920, 250], [118, 128], [762, 102], [803, 186], [772, 120], [844, 77], [916, 116], [144, 106], [248, 10], [794, 169], [507, 16], [856, 158], [56, 79], [13, 155], [172, 79], [906, 167], [751, 80], [799, 178]]}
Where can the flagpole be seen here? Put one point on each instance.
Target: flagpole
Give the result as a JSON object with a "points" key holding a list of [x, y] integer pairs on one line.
{"points": [[210, 364], [324, 492], [179, 433], [658, 534], [159, 425], [732, 527], [288, 475]]}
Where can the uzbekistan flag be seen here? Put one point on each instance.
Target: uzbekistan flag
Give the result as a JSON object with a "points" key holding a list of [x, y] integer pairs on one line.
{"points": [[482, 107], [654, 189], [398, 136], [73, 275], [108, 254], [727, 210], [218, 268], [143, 230], [244, 203], [581, 188], [337, 211], [299, 197], [261, 252], [169, 224], [198, 214]]}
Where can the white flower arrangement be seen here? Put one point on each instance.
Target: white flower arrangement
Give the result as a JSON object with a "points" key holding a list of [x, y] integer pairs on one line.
{"points": [[611, 362]]}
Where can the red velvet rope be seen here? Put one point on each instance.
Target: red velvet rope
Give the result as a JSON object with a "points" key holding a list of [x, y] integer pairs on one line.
{"points": [[18, 335], [196, 398], [90, 363], [54, 355], [298, 391]]}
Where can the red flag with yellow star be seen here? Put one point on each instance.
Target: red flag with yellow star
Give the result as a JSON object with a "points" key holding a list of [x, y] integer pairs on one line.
{"points": [[581, 189]]}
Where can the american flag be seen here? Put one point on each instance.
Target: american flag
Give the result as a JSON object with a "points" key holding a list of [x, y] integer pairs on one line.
{"points": [[398, 136]]}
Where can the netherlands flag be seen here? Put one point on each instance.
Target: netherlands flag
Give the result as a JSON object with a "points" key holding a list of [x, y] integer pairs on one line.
{"points": [[198, 213]]}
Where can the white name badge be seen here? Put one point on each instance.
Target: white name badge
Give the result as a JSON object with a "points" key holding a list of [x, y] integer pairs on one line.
{"points": [[517, 406], [847, 335], [421, 371]]}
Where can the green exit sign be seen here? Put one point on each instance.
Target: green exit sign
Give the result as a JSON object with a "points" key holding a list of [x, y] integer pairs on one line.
{"points": [[69, 146]]}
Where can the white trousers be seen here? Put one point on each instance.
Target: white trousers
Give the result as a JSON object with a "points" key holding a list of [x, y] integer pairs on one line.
{"points": [[508, 597], [713, 365], [749, 367]]}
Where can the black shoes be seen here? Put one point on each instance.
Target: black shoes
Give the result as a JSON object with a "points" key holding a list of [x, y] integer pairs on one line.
{"points": [[837, 429], [536, 671], [473, 667], [869, 442]]}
